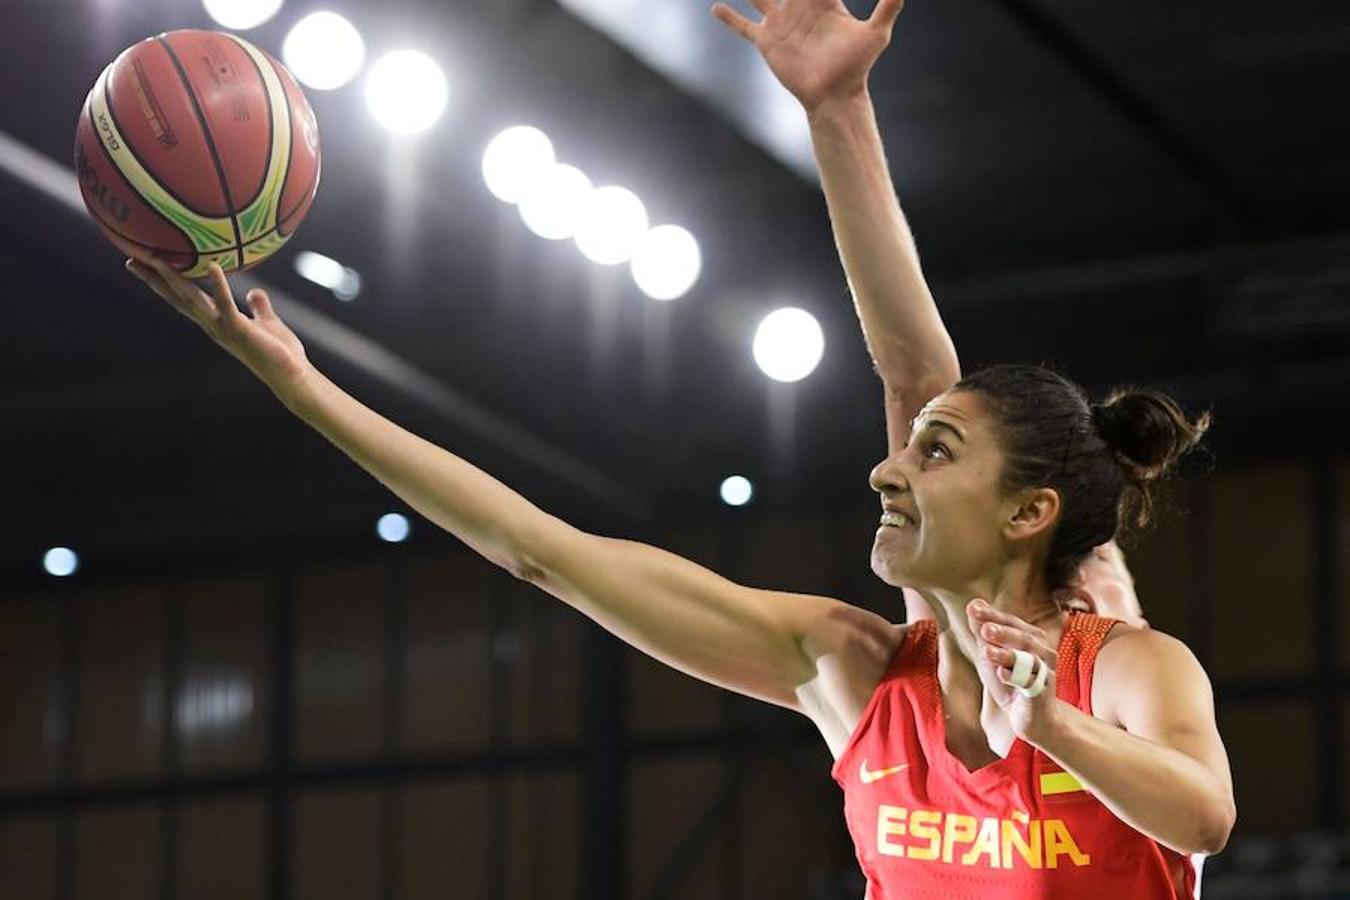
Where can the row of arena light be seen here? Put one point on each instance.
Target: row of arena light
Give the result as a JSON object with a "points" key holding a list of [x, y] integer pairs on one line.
{"points": [[406, 92], [392, 528], [609, 224]]}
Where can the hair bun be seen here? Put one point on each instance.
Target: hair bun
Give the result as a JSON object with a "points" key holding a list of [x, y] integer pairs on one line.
{"points": [[1149, 434], [1107, 420], [1147, 429]]}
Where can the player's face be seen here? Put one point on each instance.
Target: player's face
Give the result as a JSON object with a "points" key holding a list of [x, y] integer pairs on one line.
{"points": [[1105, 586], [943, 510]]}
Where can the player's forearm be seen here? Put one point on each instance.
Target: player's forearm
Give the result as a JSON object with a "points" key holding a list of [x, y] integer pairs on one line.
{"points": [[487, 515], [666, 606], [900, 320], [1159, 791]]}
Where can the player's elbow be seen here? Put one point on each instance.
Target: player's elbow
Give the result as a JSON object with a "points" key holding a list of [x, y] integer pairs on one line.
{"points": [[913, 387], [1218, 826], [538, 550], [523, 568]]}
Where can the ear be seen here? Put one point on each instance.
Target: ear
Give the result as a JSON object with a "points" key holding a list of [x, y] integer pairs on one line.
{"points": [[1035, 513]]}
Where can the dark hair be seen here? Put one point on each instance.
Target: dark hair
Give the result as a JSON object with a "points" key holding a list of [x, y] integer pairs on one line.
{"points": [[1102, 459]]}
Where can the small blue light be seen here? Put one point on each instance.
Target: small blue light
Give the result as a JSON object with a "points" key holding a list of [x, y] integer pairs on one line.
{"points": [[60, 561], [393, 528]]}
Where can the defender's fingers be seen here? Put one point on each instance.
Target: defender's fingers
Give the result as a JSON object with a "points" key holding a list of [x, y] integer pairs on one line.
{"points": [[999, 658], [1006, 658], [885, 14], [980, 612], [763, 6], [735, 21], [1029, 680], [1014, 638]]}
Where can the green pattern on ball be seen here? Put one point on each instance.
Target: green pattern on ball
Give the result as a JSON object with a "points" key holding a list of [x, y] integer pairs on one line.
{"points": [[261, 215], [209, 235]]}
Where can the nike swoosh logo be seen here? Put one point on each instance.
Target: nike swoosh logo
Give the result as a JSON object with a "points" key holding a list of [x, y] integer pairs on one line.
{"points": [[869, 777]]}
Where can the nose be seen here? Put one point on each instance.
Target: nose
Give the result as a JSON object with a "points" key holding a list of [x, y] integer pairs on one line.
{"points": [[887, 475]]}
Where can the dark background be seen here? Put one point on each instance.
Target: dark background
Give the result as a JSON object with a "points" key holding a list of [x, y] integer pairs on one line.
{"points": [[1148, 193]]}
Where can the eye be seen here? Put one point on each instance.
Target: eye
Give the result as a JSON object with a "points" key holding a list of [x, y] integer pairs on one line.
{"points": [[930, 446]]}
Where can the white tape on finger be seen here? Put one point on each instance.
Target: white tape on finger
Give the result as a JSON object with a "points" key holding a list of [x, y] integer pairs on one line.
{"points": [[1022, 678], [1038, 683]]}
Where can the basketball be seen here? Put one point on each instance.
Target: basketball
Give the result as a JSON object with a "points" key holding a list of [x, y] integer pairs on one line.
{"points": [[197, 147]]}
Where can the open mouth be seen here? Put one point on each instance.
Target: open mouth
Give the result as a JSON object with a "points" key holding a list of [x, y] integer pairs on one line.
{"points": [[896, 519]]}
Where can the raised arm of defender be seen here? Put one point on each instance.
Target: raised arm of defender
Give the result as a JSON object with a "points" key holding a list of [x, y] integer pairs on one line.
{"points": [[764, 644], [823, 55]]}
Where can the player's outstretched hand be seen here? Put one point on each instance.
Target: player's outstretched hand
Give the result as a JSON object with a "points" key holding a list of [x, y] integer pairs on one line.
{"points": [[817, 48], [263, 342]]}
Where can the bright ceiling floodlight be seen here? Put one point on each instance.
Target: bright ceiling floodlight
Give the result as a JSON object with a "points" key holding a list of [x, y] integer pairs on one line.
{"points": [[60, 561], [667, 262], [551, 208], [406, 91], [611, 225], [324, 51], [737, 490], [789, 344], [516, 159], [241, 15], [344, 282], [393, 528]]}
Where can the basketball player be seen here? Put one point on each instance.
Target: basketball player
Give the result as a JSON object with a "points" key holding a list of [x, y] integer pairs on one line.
{"points": [[823, 55], [969, 768]]}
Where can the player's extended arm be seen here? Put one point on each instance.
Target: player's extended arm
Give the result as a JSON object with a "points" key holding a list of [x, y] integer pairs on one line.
{"points": [[760, 643], [824, 55]]}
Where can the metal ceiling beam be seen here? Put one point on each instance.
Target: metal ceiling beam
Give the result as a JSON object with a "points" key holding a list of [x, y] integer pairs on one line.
{"points": [[1230, 261], [1134, 108], [57, 182]]}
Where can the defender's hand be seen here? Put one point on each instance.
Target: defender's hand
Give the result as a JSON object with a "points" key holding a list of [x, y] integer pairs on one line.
{"points": [[264, 343], [816, 48], [998, 634]]}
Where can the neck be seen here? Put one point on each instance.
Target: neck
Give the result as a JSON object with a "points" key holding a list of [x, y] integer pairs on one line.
{"points": [[1013, 589]]}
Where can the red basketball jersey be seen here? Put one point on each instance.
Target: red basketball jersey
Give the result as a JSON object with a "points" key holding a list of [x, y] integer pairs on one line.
{"points": [[924, 826]]}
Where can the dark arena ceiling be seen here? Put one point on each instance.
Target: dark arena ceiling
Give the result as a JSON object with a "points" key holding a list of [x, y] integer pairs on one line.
{"points": [[1150, 192]]}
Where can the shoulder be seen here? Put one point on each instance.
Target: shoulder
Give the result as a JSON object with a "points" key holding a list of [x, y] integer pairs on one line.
{"points": [[1126, 647], [1138, 665]]}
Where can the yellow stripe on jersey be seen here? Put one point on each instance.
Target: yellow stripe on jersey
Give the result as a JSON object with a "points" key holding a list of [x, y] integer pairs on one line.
{"points": [[1059, 783]]}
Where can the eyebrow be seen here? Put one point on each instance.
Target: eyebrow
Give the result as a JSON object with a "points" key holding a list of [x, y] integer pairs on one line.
{"points": [[938, 423]]}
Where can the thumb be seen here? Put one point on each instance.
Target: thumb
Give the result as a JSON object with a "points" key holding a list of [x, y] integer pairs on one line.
{"points": [[885, 14], [735, 21], [260, 304]]}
